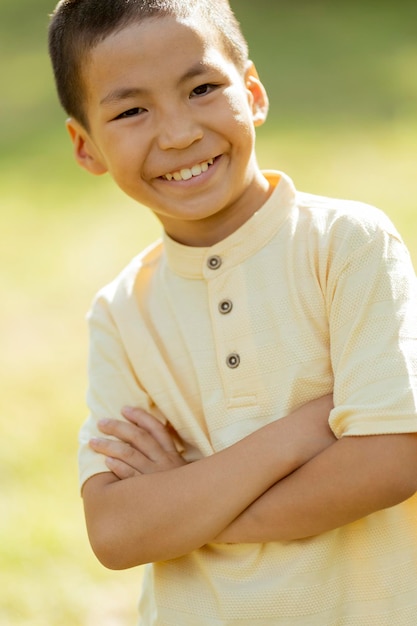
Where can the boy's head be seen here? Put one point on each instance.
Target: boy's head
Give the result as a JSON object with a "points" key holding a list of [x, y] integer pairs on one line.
{"points": [[78, 26], [162, 96]]}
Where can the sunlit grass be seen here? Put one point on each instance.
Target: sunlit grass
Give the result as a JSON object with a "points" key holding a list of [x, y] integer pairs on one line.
{"points": [[54, 255]]}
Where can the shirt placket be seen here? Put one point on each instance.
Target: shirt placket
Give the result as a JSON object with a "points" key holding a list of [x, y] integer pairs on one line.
{"points": [[233, 338]]}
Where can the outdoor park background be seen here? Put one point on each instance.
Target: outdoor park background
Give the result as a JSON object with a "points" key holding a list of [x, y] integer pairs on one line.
{"points": [[342, 78]]}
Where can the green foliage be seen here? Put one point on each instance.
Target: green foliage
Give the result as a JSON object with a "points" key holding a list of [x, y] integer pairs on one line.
{"points": [[342, 83], [327, 62]]}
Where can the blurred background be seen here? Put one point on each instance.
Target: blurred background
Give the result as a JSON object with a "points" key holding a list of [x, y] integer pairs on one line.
{"points": [[342, 80]]}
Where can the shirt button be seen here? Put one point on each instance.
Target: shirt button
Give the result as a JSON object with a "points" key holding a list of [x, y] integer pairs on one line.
{"points": [[225, 306], [233, 361], [214, 262]]}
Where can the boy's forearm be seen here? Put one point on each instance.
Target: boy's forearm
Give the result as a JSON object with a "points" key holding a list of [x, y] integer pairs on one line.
{"points": [[164, 515], [348, 481], [167, 514]]}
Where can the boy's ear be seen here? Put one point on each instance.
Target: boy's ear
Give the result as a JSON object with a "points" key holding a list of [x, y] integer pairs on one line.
{"points": [[85, 152], [258, 97]]}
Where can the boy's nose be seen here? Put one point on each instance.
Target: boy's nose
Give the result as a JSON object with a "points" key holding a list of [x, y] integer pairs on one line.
{"points": [[178, 131]]}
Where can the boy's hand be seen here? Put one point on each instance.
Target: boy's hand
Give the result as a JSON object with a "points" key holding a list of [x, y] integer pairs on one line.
{"points": [[143, 445]]}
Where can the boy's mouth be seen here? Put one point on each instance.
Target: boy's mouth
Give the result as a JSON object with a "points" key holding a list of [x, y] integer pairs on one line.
{"points": [[188, 173]]}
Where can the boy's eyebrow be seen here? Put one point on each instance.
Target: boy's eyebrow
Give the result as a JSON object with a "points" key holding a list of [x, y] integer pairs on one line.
{"points": [[196, 70], [124, 93]]}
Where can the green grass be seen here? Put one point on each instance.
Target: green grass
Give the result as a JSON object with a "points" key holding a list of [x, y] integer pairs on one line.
{"points": [[341, 78]]}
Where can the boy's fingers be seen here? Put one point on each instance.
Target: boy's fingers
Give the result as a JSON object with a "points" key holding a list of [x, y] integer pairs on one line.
{"points": [[161, 433], [123, 460], [120, 469], [136, 447], [138, 438], [118, 450]]}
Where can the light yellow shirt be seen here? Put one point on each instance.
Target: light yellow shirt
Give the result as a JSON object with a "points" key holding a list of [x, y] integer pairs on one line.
{"points": [[310, 295]]}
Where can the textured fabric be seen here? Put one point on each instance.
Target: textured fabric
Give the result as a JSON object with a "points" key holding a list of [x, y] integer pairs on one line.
{"points": [[310, 295]]}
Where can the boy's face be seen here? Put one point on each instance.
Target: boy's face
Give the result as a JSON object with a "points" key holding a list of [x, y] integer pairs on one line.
{"points": [[172, 120]]}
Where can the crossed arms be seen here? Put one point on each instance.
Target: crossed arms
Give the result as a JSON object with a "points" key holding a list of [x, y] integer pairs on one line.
{"points": [[288, 480]]}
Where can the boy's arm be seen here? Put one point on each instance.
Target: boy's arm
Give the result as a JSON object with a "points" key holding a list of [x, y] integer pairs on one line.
{"points": [[345, 482], [349, 480], [160, 513]]}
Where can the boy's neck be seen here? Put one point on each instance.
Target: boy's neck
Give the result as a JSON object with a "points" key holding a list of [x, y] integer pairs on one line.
{"points": [[215, 228]]}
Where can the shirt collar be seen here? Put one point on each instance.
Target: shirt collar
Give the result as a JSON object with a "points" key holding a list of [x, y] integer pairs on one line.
{"points": [[194, 262]]}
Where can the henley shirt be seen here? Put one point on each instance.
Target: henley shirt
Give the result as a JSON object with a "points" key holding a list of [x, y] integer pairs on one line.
{"points": [[311, 295]]}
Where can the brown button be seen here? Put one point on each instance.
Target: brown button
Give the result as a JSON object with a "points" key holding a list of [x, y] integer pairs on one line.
{"points": [[225, 306], [214, 262], [233, 361]]}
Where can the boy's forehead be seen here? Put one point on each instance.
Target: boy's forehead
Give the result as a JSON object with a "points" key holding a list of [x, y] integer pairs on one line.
{"points": [[163, 33], [182, 45]]}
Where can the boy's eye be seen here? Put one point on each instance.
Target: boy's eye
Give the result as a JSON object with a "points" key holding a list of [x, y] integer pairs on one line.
{"points": [[129, 113], [203, 90]]}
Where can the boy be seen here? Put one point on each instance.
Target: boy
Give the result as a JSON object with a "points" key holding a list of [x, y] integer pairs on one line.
{"points": [[224, 341]]}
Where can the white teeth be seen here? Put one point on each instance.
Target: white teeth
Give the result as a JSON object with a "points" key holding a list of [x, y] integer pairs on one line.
{"points": [[187, 174]]}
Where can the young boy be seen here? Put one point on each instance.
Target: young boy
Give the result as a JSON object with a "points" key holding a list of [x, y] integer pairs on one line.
{"points": [[214, 354]]}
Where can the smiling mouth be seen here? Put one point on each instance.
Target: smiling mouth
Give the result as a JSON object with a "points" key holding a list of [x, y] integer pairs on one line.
{"points": [[188, 173]]}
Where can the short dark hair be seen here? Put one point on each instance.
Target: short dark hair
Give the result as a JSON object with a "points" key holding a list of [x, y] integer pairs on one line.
{"points": [[77, 26]]}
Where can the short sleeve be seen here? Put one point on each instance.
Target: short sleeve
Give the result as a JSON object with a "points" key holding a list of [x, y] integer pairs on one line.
{"points": [[112, 385], [373, 329]]}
